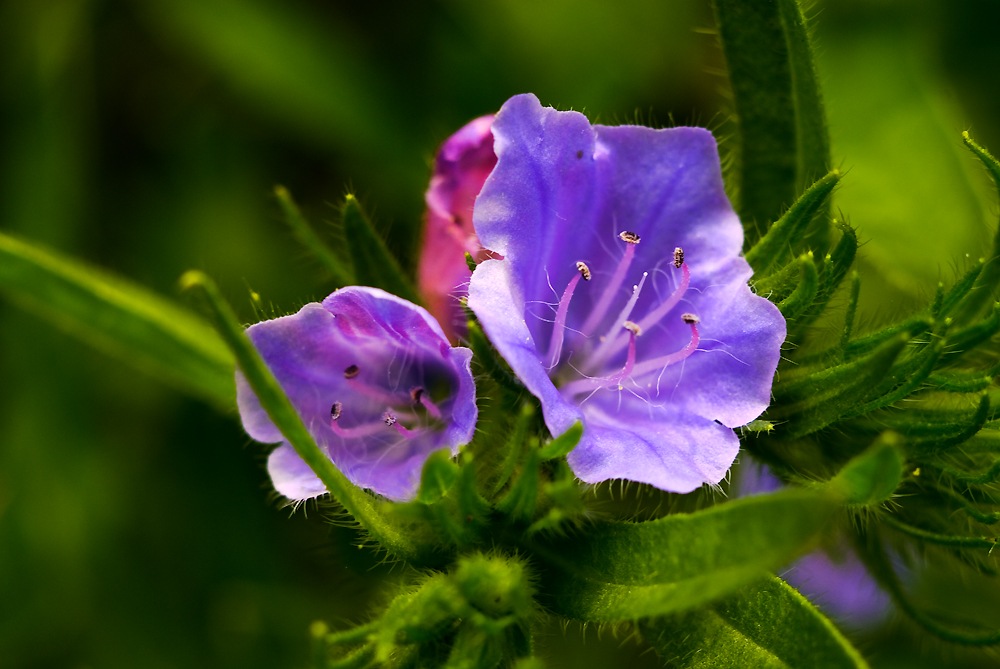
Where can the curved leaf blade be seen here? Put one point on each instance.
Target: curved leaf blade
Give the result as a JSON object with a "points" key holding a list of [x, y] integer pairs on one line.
{"points": [[768, 625], [120, 318]]}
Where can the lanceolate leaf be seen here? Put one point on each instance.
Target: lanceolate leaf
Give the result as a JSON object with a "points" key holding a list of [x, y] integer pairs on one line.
{"points": [[783, 139], [765, 625], [120, 318], [374, 265], [624, 571]]}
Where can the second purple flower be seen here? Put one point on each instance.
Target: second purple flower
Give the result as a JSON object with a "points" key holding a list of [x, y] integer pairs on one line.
{"points": [[622, 298]]}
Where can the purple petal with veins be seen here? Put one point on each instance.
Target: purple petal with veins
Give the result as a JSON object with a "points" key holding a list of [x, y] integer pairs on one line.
{"points": [[376, 383], [665, 349]]}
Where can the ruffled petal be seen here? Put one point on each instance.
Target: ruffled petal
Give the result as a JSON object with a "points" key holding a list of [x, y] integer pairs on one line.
{"points": [[672, 451], [291, 476]]}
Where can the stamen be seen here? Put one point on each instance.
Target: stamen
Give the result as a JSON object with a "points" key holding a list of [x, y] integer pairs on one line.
{"points": [[559, 325], [678, 257], [351, 371], [657, 364], [663, 308], [610, 341], [610, 291], [419, 396], [391, 421], [591, 384], [336, 410]]}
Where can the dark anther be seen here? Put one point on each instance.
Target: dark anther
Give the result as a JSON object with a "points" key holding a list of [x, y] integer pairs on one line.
{"points": [[629, 237], [690, 319], [678, 257], [416, 394], [351, 372], [579, 154], [389, 419], [584, 271], [335, 410]]}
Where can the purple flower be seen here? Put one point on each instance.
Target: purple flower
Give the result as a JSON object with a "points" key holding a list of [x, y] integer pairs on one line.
{"points": [[462, 165], [622, 299], [376, 383]]}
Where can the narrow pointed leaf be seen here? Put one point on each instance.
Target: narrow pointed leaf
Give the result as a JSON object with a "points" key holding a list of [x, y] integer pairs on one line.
{"points": [[871, 478], [810, 403], [373, 264], [619, 571], [767, 625], [624, 571], [336, 262], [775, 247], [783, 137], [120, 318]]}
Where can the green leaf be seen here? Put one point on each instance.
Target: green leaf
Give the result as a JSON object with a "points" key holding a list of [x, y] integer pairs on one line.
{"points": [[775, 246], [373, 264], [813, 399], [335, 260], [120, 318], [413, 543], [783, 139], [767, 625], [871, 478], [623, 571], [438, 477], [562, 445]]}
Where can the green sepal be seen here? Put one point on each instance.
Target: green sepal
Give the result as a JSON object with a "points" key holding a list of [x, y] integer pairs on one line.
{"points": [[783, 144], [969, 337], [515, 446], [766, 625], [562, 445], [418, 617], [616, 571], [470, 262], [451, 505], [333, 257], [373, 264], [485, 355], [120, 318], [775, 247], [802, 298], [871, 478], [521, 499], [564, 503], [413, 543], [815, 398], [950, 301], [930, 431], [438, 477], [988, 287]]}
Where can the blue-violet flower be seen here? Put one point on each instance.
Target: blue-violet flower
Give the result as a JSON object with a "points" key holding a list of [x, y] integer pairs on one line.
{"points": [[621, 298], [376, 383], [460, 169]]}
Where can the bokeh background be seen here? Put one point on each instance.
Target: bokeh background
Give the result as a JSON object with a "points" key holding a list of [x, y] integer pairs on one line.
{"points": [[146, 136]]}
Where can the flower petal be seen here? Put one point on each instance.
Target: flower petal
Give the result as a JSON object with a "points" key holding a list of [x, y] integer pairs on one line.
{"points": [[362, 355], [670, 450]]}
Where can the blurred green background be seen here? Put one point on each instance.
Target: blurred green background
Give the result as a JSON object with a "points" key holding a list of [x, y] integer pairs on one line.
{"points": [[146, 136]]}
